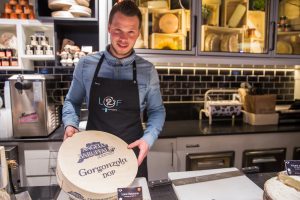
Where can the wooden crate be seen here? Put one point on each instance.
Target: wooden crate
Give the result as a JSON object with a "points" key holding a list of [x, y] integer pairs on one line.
{"points": [[179, 13], [142, 41], [214, 6], [151, 4], [168, 41]]}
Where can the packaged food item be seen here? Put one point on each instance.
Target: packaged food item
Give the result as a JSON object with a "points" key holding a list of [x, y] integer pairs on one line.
{"points": [[13, 61]]}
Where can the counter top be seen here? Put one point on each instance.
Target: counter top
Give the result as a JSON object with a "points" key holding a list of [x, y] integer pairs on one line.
{"points": [[187, 128], [165, 192]]}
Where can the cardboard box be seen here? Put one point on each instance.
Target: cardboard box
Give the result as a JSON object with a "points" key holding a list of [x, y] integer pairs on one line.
{"points": [[260, 119], [260, 104]]}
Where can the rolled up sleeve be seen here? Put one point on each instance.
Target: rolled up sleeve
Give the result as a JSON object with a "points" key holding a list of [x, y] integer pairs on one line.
{"points": [[155, 110]]}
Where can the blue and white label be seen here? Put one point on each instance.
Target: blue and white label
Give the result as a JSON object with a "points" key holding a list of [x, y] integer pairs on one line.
{"points": [[292, 167], [95, 149], [109, 103]]}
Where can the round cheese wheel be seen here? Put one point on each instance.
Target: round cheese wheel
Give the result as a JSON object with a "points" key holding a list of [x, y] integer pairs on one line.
{"points": [[62, 14], [274, 189], [61, 4], [284, 47], [80, 11], [93, 164], [168, 23], [85, 3]]}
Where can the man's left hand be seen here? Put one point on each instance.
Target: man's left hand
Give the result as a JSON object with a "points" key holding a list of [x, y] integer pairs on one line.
{"points": [[144, 149]]}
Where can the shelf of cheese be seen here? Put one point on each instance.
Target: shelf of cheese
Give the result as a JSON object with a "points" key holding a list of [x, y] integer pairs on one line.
{"points": [[22, 30], [215, 38]]}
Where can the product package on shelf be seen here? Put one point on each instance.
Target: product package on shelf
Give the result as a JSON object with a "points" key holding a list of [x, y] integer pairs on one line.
{"points": [[168, 41], [38, 45], [169, 21], [20, 9], [70, 53]]}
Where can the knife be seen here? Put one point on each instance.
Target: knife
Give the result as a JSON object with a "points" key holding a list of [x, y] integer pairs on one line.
{"points": [[204, 178]]}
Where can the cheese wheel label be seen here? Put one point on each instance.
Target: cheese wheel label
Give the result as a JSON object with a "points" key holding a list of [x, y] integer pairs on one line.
{"points": [[93, 164]]}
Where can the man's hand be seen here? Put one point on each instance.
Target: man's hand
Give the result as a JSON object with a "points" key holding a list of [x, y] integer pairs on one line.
{"points": [[144, 149], [70, 131]]}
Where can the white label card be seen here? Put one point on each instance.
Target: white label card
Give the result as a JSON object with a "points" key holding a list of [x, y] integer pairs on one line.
{"points": [[87, 49], [37, 91]]}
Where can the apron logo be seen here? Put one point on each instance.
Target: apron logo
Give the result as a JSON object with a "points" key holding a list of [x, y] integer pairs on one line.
{"points": [[95, 149], [109, 103]]}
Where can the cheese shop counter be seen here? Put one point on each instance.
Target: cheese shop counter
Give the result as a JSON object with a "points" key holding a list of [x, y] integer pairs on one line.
{"points": [[159, 192], [188, 128]]}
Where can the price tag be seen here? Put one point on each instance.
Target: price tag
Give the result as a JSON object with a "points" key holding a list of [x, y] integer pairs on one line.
{"points": [[87, 49], [130, 193], [292, 167]]}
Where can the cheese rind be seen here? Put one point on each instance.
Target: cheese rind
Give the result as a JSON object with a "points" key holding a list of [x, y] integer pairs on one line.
{"points": [[93, 164]]}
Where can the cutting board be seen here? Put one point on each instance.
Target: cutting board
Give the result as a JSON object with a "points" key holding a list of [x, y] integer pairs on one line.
{"points": [[136, 183], [234, 188]]}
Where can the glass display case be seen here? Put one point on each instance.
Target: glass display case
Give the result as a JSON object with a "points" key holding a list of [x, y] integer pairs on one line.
{"points": [[166, 25], [288, 28], [234, 26]]}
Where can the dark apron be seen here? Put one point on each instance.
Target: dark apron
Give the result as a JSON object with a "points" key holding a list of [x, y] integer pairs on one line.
{"points": [[114, 107]]}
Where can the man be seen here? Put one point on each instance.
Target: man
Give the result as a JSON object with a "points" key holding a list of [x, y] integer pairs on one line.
{"points": [[118, 85]]}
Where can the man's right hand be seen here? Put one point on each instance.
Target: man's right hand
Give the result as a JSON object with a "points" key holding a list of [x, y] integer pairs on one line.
{"points": [[70, 131]]}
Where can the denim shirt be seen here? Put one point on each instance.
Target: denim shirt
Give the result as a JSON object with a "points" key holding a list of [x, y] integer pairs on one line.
{"points": [[119, 69]]}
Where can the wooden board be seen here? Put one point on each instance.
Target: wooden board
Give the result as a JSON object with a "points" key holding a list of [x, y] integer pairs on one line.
{"points": [[234, 188]]}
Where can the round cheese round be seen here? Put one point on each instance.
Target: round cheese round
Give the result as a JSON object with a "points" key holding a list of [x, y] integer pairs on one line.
{"points": [[274, 189], [62, 14], [168, 23], [61, 4], [93, 164], [85, 3], [80, 11]]}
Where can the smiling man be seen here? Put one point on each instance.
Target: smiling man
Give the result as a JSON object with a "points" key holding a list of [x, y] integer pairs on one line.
{"points": [[118, 86]]}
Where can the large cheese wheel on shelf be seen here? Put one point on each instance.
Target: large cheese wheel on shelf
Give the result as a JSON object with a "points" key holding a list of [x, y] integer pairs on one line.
{"points": [[278, 188], [85, 3], [61, 4], [93, 164], [168, 23], [62, 14]]}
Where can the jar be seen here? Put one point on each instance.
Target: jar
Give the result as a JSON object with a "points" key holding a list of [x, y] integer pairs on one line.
{"points": [[5, 61], [44, 40], [279, 27], [7, 9], [28, 9], [13, 16], [49, 50], [31, 15], [18, 9], [283, 20], [2, 53], [39, 50], [33, 40], [23, 2], [287, 27], [23, 16], [8, 53], [5, 15], [13, 61], [13, 2], [29, 50]]}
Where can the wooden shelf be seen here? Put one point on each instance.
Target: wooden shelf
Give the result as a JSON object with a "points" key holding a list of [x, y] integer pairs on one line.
{"points": [[38, 57]]}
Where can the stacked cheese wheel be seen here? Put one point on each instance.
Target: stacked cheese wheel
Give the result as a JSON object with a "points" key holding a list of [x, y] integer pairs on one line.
{"points": [[70, 8], [93, 164], [282, 187]]}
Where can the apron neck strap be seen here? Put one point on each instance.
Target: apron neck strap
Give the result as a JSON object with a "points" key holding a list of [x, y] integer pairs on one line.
{"points": [[100, 63]]}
